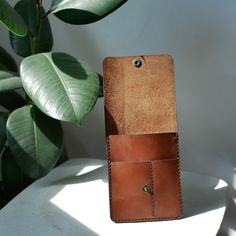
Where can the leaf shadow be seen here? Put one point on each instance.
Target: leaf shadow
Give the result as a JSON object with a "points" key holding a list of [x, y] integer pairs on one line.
{"points": [[71, 16], [69, 65]]}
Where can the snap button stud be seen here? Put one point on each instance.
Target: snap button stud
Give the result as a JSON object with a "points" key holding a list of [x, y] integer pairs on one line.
{"points": [[146, 189], [137, 63]]}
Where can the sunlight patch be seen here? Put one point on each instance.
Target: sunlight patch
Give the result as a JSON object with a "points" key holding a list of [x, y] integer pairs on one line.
{"points": [[220, 184]]}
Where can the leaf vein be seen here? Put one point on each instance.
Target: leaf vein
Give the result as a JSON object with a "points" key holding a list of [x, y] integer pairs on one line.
{"points": [[62, 82]]}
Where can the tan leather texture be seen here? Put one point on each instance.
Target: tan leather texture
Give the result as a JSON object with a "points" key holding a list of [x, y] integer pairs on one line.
{"points": [[142, 140], [140, 100]]}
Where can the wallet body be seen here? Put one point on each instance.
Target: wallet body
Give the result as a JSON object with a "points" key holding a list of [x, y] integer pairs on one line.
{"points": [[142, 138]]}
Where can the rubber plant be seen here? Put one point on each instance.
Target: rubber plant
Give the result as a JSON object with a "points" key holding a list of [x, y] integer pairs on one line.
{"points": [[49, 87]]}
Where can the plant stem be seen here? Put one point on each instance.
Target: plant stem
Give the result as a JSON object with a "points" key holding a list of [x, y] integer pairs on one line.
{"points": [[36, 38], [46, 14]]}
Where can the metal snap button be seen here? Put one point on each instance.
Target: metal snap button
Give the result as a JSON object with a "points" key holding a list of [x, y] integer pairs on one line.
{"points": [[137, 63], [146, 189]]}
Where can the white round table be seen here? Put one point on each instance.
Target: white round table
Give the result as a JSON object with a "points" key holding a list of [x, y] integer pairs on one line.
{"points": [[73, 200]]}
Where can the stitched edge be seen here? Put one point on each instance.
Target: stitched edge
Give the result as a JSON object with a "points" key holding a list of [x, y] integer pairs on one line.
{"points": [[109, 174], [146, 219], [179, 177], [159, 160], [150, 164], [152, 186]]}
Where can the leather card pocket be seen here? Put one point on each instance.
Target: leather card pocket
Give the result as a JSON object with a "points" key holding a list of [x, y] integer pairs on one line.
{"points": [[141, 191], [129, 186], [143, 147], [166, 189], [144, 177]]}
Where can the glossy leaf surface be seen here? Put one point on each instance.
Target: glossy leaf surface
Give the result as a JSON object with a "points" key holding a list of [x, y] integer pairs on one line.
{"points": [[11, 19], [60, 85], [9, 81], [25, 46], [84, 11], [35, 140]]}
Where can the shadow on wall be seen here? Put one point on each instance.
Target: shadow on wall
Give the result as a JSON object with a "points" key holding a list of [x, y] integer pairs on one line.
{"points": [[89, 139], [204, 49], [201, 37]]}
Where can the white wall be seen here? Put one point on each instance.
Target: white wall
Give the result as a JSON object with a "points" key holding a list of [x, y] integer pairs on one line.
{"points": [[201, 36]]}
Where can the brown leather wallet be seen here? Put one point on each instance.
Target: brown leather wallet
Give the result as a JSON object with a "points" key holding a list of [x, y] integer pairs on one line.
{"points": [[142, 139]]}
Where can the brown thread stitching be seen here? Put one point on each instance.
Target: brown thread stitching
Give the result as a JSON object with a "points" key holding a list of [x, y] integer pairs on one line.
{"points": [[109, 174], [150, 165], [179, 176], [152, 186], [159, 160], [147, 219]]}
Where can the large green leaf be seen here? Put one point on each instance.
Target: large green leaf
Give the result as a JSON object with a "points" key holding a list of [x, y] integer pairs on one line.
{"points": [[25, 46], [3, 121], [6, 61], [11, 19], [9, 81], [14, 180], [60, 85], [35, 140], [84, 11], [11, 100]]}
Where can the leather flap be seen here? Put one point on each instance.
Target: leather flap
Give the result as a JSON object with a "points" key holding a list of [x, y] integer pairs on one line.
{"points": [[139, 100]]}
